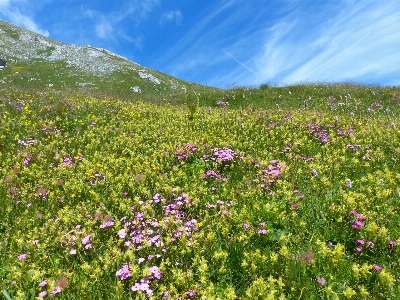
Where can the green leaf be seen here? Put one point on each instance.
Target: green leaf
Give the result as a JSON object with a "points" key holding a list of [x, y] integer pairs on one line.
{"points": [[6, 295]]}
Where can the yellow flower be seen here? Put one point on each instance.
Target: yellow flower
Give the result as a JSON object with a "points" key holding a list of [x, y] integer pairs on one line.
{"points": [[349, 293]]}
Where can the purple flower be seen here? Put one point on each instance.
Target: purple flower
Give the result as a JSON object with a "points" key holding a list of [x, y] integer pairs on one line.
{"points": [[357, 224], [377, 268], [245, 225], [321, 280], [359, 249], [190, 293], [370, 244], [156, 272], [43, 283], [56, 290], [22, 256], [391, 243], [42, 294], [140, 260], [360, 242], [85, 240], [124, 272], [262, 231], [122, 233]]}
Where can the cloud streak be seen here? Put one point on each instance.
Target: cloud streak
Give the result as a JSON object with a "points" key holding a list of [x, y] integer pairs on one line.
{"points": [[13, 13], [172, 16]]}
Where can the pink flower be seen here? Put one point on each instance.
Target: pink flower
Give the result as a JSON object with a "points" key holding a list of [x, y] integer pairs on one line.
{"points": [[370, 244], [262, 231], [377, 268], [321, 280], [245, 225], [359, 249], [72, 252], [85, 240], [22, 256], [140, 260], [42, 294], [124, 272], [392, 243], [360, 242], [357, 224], [43, 283], [56, 290]]}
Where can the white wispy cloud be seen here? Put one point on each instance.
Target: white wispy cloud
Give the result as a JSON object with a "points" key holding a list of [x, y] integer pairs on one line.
{"points": [[13, 13], [110, 26], [172, 16], [357, 42]]}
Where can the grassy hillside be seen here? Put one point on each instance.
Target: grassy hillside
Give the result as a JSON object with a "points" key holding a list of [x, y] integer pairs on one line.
{"points": [[270, 193]]}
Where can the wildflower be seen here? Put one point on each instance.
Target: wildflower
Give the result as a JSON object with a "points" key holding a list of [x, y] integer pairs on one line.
{"points": [[307, 257], [262, 231], [359, 249], [321, 280], [377, 268], [245, 225], [72, 252], [42, 294], [357, 224], [140, 260], [190, 293], [85, 240], [156, 272], [348, 183], [88, 246], [122, 233], [62, 282], [360, 242], [35, 242], [391, 243], [43, 283], [124, 272], [22, 256], [56, 290]]}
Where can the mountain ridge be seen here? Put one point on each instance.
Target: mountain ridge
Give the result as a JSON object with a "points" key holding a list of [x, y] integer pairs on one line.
{"points": [[45, 62]]}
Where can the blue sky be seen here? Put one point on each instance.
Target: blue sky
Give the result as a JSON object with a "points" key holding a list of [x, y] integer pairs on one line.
{"points": [[231, 42]]}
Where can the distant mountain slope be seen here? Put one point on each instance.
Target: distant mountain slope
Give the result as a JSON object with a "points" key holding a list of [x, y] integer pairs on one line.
{"points": [[36, 61]]}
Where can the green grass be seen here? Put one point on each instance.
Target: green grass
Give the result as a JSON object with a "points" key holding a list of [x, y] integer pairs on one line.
{"points": [[247, 193]]}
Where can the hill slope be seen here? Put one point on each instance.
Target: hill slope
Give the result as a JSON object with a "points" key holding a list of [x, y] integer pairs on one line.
{"points": [[36, 61]]}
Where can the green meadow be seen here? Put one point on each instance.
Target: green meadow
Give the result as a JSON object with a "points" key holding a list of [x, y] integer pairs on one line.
{"points": [[247, 193]]}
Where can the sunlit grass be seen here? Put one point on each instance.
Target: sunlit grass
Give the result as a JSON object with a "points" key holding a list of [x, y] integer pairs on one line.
{"points": [[270, 193]]}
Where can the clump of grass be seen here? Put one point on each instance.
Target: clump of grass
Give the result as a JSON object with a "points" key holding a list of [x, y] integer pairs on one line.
{"points": [[279, 193]]}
